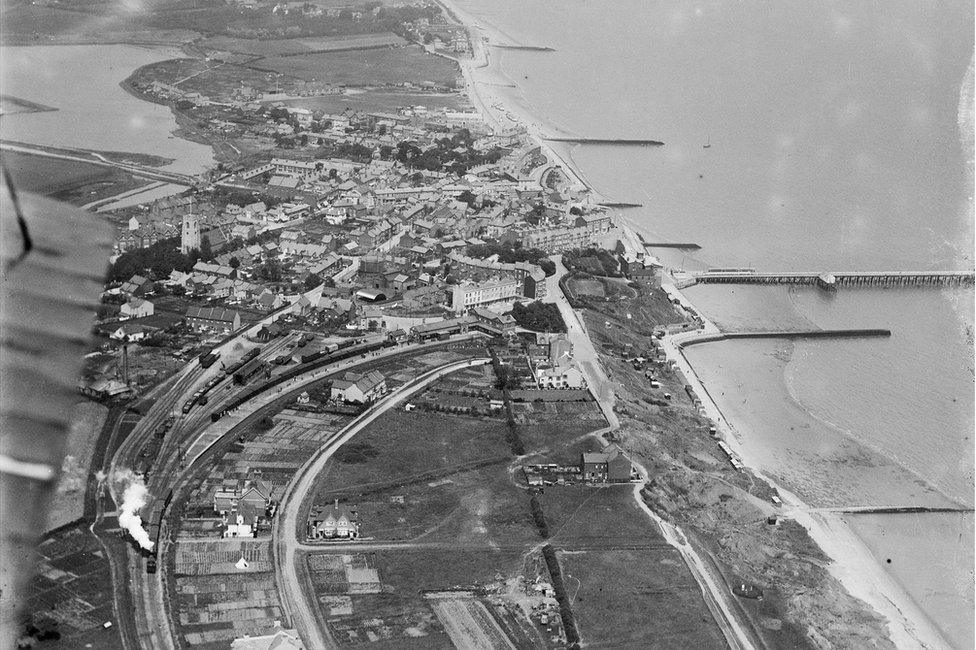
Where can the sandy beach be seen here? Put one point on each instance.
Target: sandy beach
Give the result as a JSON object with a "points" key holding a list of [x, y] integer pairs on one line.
{"points": [[852, 562]]}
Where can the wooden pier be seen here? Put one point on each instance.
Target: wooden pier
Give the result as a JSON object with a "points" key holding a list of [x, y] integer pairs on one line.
{"points": [[789, 334], [678, 245], [831, 281], [613, 141]]}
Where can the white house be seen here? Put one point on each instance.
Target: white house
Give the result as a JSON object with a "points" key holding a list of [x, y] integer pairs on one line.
{"points": [[357, 388], [136, 308], [129, 332]]}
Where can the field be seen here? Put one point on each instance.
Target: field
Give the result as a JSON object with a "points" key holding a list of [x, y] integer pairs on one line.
{"points": [[547, 427], [420, 598], [381, 67], [67, 180], [637, 599], [217, 600], [72, 586], [290, 46]]}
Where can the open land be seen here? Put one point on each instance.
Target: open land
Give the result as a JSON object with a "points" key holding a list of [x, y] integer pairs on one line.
{"points": [[67, 180], [723, 511], [381, 67], [412, 480], [71, 591], [292, 46]]}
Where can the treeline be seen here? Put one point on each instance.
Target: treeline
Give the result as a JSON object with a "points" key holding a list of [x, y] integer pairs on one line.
{"points": [[594, 261], [559, 586], [510, 254], [157, 260], [454, 154]]}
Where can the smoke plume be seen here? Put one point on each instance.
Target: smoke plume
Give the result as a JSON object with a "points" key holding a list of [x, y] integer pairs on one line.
{"points": [[133, 499]]}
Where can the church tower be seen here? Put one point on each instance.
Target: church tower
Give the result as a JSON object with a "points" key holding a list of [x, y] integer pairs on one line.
{"points": [[190, 237]]}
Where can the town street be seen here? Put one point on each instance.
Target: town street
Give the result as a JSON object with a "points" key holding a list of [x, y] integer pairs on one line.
{"points": [[583, 351]]}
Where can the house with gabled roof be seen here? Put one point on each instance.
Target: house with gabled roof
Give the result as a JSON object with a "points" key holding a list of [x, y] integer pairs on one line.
{"points": [[359, 388], [333, 522], [213, 318], [136, 308]]}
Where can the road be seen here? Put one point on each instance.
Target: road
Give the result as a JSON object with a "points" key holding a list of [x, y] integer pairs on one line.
{"points": [[583, 351], [286, 527], [715, 592], [153, 173]]}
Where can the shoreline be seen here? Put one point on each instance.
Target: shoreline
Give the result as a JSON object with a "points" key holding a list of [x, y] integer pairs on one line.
{"points": [[852, 562]]}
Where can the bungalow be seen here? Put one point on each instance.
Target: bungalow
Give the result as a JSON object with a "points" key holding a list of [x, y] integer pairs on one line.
{"points": [[136, 308], [357, 388], [130, 332]]}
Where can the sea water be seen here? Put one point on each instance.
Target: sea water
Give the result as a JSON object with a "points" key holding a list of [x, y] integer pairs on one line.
{"points": [[839, 139]]}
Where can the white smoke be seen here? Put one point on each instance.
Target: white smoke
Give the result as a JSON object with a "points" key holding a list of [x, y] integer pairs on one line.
{"points": [[133, 499]]}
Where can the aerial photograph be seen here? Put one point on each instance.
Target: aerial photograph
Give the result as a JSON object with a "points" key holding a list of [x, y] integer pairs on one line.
{"points": [[487, 324]]}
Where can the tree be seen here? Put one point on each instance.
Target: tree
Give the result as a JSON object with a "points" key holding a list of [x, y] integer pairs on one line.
{"points": [[206, 250], [538, 317], [234, 263], [312, 281]]}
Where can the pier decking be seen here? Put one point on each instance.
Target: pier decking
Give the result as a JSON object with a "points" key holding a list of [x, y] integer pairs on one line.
{"points": [[614, 141], [788, 334], [833, 280]]}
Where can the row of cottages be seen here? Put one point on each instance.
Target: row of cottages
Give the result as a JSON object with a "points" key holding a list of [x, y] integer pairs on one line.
{"points": [[605, 466], [213, 319], [143, 236], [585, 231], [532, 277], [357, 388], [333, 522], [243, 510]]}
